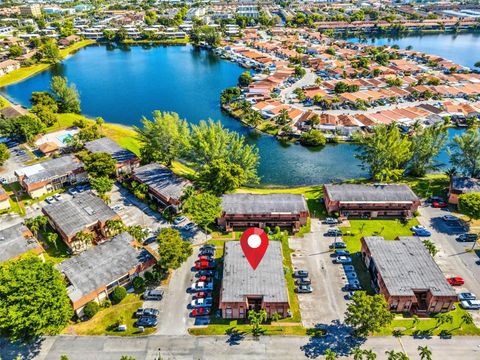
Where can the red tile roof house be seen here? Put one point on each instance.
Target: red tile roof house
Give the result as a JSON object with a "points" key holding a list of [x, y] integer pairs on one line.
{"points": [[245, 289], [370, 200], [288, 211], [92, 275], [405, 273], [462, 185]]}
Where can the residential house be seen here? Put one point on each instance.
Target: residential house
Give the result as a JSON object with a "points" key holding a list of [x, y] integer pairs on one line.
{"points": [[4, 199], [8, 66], [126, 160], [12, 111], [17, 240], [370, 200], [462, 185], [405, 273], [287, 211], [245, 289]]}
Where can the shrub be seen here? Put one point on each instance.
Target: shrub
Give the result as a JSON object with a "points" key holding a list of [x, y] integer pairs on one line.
{"points": [[267, 229], [91, 309], [106, 303], [138, 284], [416, 213], [118, 294]]}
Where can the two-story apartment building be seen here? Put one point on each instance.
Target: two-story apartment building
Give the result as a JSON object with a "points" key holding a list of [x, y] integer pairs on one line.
{"points": [[17, 240], [461, 185]]}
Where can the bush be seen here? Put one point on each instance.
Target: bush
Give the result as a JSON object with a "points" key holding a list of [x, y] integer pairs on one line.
{"points": [[267, 229], [118, 294], [416, 213], [91, 309], [106, 303], [138, 284]]}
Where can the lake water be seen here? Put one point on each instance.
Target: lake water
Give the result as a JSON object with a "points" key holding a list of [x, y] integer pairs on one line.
{"points": [[123, 84]]}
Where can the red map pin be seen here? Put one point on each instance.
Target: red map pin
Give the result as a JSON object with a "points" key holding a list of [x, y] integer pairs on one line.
{"points": [[254, 243]]}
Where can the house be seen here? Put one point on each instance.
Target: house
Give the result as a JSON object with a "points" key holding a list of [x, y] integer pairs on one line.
{"points": [[4, 199], [93, 274], [370, 200], [49, 148], [17, 240], [47, 176], [405, 273], [288, 211], [461, 185], [245, 289], [85, 212], [126, 160], [163, 185], [8, 66], [69, 40], [12, 111]]}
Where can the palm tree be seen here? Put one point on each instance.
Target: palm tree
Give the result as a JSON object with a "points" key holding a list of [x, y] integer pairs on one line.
{"points": [[425, 353], [84, 238], [357, 353], [370, 355], [391, 355], [137, 232], [114, 227], [187, 193], [466, 319], [451, 172], [415, 321], [330, 354], [52, 239]]}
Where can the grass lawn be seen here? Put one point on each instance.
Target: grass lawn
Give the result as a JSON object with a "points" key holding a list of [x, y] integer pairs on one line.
{"points": [[428, 326], [222, 329], [54, 252], [4, 102], [104, 322]]}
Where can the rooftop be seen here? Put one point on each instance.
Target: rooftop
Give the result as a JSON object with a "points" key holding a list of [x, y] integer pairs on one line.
{"points": [[405, 264], [109, 146], [466, 184], [101, 265], [49, 169], [240, 280], [370, 193], [162, 180], [74, 214], [263, 203], [15, 241]]}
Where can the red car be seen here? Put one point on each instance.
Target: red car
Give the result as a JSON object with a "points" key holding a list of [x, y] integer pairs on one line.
{"points": [[205, 278], [456, 281], [439, 204], [202, 295], [204, 265], [201, 311], [205, 257]]}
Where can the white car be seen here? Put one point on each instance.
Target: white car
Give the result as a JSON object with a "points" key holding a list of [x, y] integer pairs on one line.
{"points": [[189, 226], [202, 286], [49, 200], [470, 304], [179, 220], [417, 227], [57, 197]]}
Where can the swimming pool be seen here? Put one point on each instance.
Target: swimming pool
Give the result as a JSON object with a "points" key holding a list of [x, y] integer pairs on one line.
{"points": [[64, 137]]}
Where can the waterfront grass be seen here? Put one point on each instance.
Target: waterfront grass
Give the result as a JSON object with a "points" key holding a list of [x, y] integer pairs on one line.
{"points": [[106, 320], [27, 71], [183, 41], [4, 102]]}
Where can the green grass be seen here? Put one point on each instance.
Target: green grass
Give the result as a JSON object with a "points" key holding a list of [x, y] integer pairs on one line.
{"points": [[222, 329], [54, 252], [4, 102], [103, 323], [429, 325]]}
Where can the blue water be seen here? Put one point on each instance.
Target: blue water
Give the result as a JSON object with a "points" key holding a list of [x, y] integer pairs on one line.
{"points": [[64, 137], [123, 85]]}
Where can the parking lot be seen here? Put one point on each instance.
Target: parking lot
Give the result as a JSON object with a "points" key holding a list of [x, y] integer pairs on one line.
{"points": [[18, 158], [327, 301]]}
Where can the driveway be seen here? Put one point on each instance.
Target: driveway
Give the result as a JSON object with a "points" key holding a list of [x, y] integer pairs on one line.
{"points": [[326, 303]]}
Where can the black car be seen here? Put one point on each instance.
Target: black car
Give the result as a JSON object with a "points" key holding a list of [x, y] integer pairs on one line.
{"points": [[338, 245], [333, 232], [303, 281], [467, 238], [147, 321], [207, 252], [205, 273], [148, 312]]}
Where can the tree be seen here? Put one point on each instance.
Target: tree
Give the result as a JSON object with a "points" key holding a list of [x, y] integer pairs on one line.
{"points": [[424, 352], [109, 35], [137, 232], [313, 138], [50, 51], [173, 250], [101, 184], [469, 204], [203, 208], [64, 357], [477, 64], [384, 153], [221, 177], [357, 353], [256, 318], [426, 145], [114, 227], [37, 223], [330, 354], [45, 114], [431, 247], [164, 139], [393, 355], [67, 96], [91, 309], [125, 357], [52, 238], [370, 355], [138, 284], [466, 319], [15, 51], [34, 299], [245, 79], [100, 164], [443, 318], [4, 154], [464, 152], [367, 313], [118, 294], [26, 126], [205, 34], [83, 239]]}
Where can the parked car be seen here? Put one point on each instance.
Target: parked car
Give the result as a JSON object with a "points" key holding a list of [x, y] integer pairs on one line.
{"points": [[343, 260], [439, 204], [450, 218], [467, 238], [305, 289], [153, 295], [179, 220], [205, 278], [467, 296], [470, 304], [417, 227], [207, 246], [352, 287], [303, 281], [338, 245], [189, 226], [333, 232], [330, 221], [456, 281], [207, 252], [422, 233], [342, 253], [205, 257], [57, 197], [348, 268], [202, 294], [202, 302], [49, 200], [202, 286], [3, 181], [148, 312], [351, 275], [72, 191], [349, 295], [204, 265], [117, 208], [147, 321], [300, 274], [205, 273], [202, 311]]}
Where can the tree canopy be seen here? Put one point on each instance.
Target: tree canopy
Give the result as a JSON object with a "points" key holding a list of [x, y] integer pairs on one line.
{"points": [[464, 151], [313, 138], [173, 250], [4, 154], [33, 299], [66, 95], [426, 145], [99, 165], [203, 208], [469, 204], [245, 79]]}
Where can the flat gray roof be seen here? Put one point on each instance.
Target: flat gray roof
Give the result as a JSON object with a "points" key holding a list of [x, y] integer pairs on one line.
{"points": [[162, 180], [74, 214], [405, 265], [263, 203], [466, 184], [49, 169], [101, 265], [369, 193], [240, 280], [109, 146], [13, 242]]}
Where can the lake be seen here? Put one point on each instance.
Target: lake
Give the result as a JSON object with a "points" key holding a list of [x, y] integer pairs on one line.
{"points": [[123, 84]]}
